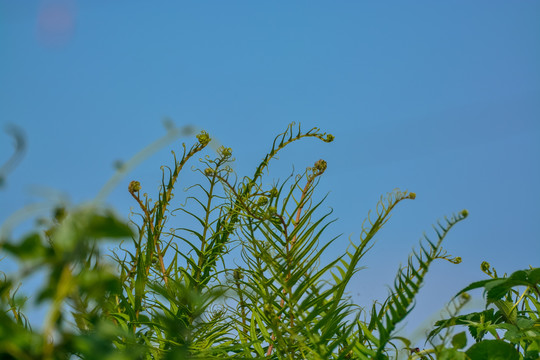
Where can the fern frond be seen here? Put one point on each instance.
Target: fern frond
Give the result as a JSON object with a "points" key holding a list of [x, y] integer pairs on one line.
{"points": [[349, 262], [283, 140], [408, 282]]}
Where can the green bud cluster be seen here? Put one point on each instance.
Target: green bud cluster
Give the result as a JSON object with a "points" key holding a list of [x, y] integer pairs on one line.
{"points": [[263, 200], [273, 192], [224, 152], [268, 310], [319, 167], [203, 138], [237, 274]]}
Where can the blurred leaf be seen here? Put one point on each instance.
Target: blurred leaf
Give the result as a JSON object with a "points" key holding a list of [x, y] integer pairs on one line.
{"points": [[98, 281], [84, 224], [459, 341], [30, 247], [108, 226]]}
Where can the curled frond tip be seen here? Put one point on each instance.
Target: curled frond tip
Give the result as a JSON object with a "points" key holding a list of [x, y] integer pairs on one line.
{"points": [[134, 186], [319, 167]]}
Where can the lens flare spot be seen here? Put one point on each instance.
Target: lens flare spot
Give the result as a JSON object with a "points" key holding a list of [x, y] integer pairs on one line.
{"points": [[56, 22]]}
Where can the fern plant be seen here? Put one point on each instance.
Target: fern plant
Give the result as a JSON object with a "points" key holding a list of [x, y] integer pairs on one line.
{"points": [[242, 275]]}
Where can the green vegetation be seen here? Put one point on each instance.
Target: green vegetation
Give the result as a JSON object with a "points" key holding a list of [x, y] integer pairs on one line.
{"points": [[515, 314], [245, 281]]}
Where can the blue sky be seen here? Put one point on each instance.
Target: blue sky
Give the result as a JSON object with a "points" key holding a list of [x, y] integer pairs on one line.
{"points": [[439, 98]]}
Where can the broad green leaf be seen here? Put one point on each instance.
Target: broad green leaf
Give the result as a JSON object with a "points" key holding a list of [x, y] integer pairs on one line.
{"points": [[452, 354], [492, 350]]}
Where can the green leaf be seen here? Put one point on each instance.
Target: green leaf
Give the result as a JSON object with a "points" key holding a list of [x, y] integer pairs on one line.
{"points": [[459, 341], [524, 323], [534, 276], [497, 288], [87, 222], [29, 248], [108, 226], [451, 354], [507, 309], [492, 350]]}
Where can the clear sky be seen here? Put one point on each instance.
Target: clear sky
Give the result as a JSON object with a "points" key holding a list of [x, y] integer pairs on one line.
{"points": [[437, 97]]}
